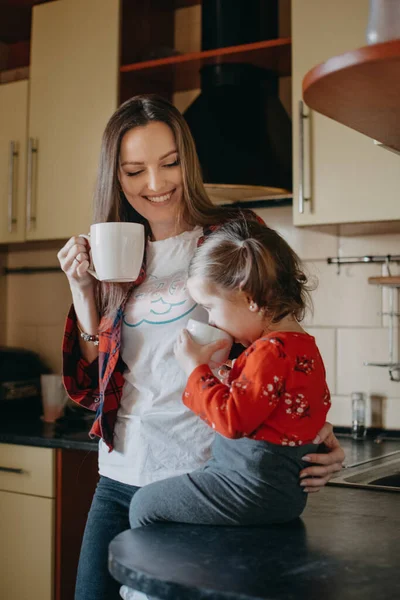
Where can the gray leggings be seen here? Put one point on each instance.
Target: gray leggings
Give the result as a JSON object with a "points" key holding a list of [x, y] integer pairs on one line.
{"points": [[246, 482]]}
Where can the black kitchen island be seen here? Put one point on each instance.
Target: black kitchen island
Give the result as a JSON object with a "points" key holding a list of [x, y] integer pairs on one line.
{"points": [[346, 546]]}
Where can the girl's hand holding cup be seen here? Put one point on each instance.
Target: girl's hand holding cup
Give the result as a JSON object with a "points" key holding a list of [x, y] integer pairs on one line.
{"points": [[201, 344]]}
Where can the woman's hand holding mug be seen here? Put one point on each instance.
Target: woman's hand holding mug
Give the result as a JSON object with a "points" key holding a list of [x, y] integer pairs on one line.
{"points": [[74, 261], [117, 250]]}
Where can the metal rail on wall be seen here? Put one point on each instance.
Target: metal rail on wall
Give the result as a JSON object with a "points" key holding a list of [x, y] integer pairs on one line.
{"points": [[393, 285]]}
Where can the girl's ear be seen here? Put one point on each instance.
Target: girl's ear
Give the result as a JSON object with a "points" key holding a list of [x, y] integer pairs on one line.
{"points": [[253, 306]]}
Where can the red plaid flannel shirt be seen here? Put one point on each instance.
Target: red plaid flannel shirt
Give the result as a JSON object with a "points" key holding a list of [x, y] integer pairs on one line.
{"points": [[98, 385]]}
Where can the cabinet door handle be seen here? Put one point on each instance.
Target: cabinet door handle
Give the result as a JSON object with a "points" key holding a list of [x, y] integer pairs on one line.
{"points": [[13, 154], [30, 216], [11, 470], [302, 117]]}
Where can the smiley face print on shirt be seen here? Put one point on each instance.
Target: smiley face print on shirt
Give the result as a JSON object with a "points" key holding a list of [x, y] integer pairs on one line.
{"points": [[159, 301]]}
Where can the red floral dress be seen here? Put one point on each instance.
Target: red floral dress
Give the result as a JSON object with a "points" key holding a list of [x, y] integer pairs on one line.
{"points": [[276, 392]]}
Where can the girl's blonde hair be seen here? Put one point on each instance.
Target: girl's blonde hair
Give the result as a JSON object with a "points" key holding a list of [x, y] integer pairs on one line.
{"points": [[248, 256], [110, 203]]}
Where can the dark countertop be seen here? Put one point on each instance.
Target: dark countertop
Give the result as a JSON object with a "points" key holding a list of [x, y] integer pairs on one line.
{"points": [[358, 451], [346, 546], [73, 432], [67, 433]]}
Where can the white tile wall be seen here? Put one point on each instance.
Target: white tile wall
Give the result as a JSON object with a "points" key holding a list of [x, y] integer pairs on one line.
{"points": [[37, 305], [309, 245], [371, 244], [345, 299], [356, 346], [391, 413], [340, 411], [325, 339]]}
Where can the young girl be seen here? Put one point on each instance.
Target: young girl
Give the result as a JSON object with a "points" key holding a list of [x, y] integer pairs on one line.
{"points": [[276, 400]]}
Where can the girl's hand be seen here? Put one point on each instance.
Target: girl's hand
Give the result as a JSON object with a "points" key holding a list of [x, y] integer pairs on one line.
{"points": [[74, 261], [314, 478], [190, 355], [225, 370]]}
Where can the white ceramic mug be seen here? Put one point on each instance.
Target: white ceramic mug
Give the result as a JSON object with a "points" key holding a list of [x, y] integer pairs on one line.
{"points": [[206, 334], [116, 252]]}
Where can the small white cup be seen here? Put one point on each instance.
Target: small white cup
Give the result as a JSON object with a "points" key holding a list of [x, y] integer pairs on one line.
{"points": [[206, 334], [116, 251], [54, 397]]}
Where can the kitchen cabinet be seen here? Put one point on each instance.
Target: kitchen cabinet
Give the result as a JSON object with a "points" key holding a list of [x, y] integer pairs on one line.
{"points": [[73, 91], [57, 119], [344, 176], [360, 89], [13, 136], [76, 480], [26, 568], [27, 512], [45, 497]]}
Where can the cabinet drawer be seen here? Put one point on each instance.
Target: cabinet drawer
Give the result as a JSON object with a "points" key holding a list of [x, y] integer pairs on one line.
{"points": [[27, 470]]}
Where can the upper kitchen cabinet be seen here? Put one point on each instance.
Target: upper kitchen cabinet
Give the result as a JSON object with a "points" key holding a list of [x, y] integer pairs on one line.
{"points": [[342, 175], [13, 136], [74, 69]]}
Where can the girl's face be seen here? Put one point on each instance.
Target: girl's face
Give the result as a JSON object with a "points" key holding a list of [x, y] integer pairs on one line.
{"points": [[228, 312], [150, 174]]}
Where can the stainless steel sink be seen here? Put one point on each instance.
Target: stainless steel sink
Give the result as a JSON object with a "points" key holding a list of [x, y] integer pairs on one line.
{"points": [[378, 474]]}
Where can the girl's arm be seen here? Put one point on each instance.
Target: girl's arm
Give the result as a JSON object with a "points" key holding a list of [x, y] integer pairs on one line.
{"points": [[239, 409]]}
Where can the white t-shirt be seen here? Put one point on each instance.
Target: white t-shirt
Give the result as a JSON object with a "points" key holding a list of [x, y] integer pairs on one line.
{"points": [[156, 436]]}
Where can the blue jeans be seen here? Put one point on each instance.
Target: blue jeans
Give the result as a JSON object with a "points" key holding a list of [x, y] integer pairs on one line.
{"points": [[108, 516]]}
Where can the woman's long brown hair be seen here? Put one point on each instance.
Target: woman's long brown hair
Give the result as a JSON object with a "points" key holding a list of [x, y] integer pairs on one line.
{"points": [[110, 204]]}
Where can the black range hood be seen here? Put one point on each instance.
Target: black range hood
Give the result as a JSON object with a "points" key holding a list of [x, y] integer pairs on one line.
{"points": [[242, 132]]}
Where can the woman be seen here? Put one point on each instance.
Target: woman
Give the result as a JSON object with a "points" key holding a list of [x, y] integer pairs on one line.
{"points": [[118, 344]]}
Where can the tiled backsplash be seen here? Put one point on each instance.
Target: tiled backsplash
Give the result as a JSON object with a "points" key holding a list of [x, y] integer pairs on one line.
{"points": [[37, 305], [345, 323]]}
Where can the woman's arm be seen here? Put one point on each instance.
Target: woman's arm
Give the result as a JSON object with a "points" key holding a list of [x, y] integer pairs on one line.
{"points": [[87, 320], [80, 364], [74, 261], [314, 478]]}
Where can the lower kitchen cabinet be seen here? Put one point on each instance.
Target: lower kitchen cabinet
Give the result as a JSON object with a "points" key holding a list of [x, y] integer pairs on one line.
{"points": [[45, 496], [27, 511], [76, 480], [26, 549]]}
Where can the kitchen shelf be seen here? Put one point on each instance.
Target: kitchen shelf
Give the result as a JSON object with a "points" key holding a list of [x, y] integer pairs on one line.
{"points": [[389, 281], [360, 89], [182, 71]]}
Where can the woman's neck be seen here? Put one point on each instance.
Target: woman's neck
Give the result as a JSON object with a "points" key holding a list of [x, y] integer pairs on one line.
{"points": [[163, 231]]}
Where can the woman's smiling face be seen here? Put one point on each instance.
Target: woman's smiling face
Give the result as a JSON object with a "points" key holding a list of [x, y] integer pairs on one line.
{"points": [[150, 174]]}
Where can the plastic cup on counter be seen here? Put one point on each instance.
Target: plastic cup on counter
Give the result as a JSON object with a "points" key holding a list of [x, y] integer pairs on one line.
{"points": [[54, 397]]}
